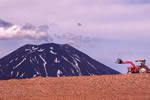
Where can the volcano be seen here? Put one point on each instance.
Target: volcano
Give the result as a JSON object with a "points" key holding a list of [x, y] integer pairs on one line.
{"points": [[50, 60]]}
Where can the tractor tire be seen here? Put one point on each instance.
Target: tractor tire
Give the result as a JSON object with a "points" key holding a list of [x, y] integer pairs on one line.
{"points": [[143, 70], [129, 72]]}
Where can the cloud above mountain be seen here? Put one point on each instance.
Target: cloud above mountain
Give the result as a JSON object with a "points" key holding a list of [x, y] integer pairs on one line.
{"points": [[28, 31]]}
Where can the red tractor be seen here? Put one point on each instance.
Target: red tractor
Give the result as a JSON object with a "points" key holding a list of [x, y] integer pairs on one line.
{"points": [[135, 69]]}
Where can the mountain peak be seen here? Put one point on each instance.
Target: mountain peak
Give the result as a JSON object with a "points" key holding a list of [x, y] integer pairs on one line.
{"points": [[50, 59], [4, 23]]}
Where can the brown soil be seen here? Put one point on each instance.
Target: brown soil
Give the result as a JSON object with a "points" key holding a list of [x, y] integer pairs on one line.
{"points": [[106, 87]]}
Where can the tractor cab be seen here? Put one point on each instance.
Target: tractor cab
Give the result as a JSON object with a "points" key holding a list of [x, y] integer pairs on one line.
{"points": [[142, 67]]}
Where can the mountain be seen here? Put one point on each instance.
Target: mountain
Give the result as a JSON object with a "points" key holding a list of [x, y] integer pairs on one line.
{"points": [[5, 24], [50, 59]]}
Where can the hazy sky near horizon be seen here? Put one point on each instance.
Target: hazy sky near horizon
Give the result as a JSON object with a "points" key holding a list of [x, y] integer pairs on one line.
{"points": [[117, 20]]}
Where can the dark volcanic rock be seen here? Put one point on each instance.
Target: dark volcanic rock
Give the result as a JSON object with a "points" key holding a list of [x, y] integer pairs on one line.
{"points": [[50, 60]]}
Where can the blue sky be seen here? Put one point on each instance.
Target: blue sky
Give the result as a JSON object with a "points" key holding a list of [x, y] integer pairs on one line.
{"points": [[112, 28]]}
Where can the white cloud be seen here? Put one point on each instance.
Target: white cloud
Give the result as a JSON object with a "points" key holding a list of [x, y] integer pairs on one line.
{"points": [[17, 32]]}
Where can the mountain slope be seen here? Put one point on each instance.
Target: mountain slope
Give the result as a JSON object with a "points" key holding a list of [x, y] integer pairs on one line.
{"points": [[50, 60], [4, 23]]}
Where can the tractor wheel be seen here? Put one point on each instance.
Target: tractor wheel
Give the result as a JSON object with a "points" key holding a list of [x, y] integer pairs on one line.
{"points": [[142, 70], [129, 72]]}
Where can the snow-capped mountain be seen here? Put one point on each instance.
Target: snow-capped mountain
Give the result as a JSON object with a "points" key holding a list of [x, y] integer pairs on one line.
{"points": [[50, 59]]}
